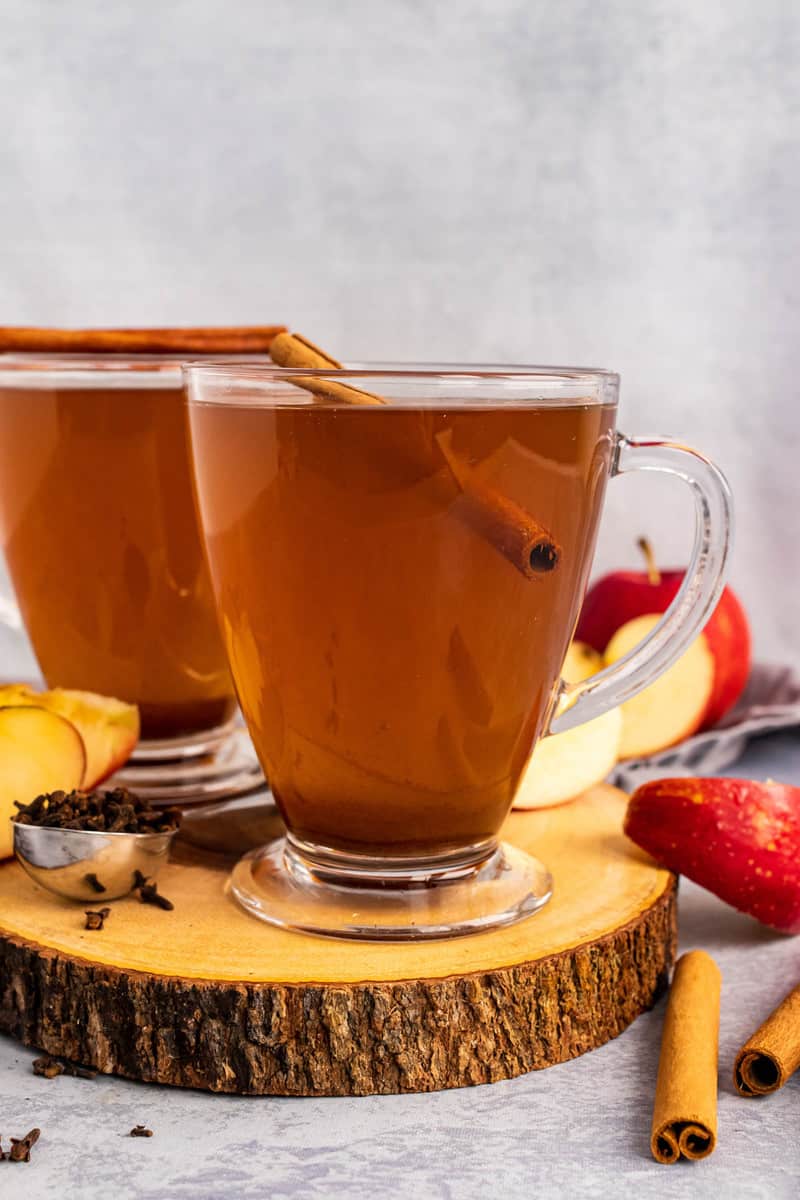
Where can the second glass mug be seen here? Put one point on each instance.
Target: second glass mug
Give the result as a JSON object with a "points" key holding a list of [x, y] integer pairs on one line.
{"points": [[398, 558], [98, 524]]}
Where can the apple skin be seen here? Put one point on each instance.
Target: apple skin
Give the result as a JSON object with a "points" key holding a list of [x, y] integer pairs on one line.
{"points": [[109, 728], [728, 636], [619, 597], [737, 838]]}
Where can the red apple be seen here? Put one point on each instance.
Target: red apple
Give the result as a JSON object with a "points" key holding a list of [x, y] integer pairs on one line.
{"points": [[617, 598], [738, 838]]}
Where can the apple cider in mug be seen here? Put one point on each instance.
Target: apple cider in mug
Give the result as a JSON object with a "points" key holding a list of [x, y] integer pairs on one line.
{"points": [[394, 665], [100, 535]]}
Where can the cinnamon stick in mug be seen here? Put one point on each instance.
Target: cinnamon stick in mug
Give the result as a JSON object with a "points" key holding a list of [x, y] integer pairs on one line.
{"points": [[514, 532], [294, 351], [772, 1054], [685, 1109], [244, 339]]}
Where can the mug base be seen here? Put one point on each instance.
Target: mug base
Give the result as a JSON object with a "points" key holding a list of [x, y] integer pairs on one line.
{"points": [[217, 764], [278, 885]]}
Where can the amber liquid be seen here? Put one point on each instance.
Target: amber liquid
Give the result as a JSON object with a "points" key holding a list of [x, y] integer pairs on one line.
{"points": [[395, 669], [99, 529]]}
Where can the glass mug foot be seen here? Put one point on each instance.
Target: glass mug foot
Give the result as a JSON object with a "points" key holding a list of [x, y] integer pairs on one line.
{"points": [[217, 764], [338, 896]]}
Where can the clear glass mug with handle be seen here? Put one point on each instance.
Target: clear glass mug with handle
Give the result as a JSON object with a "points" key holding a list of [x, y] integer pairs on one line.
{"points": [[398, 558], [99, 533]]}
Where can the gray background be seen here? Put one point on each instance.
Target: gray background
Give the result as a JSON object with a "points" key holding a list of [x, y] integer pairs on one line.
{"points": [[610, 183]]}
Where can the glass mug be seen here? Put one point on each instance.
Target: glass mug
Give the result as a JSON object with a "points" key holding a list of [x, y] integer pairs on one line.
{"points": [[99, 529], [398, 558]]}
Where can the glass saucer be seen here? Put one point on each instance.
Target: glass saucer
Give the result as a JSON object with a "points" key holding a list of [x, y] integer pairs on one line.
{"points": [[278, 883], [210, 766]]}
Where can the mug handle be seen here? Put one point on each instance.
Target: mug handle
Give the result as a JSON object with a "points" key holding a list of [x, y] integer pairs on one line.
{"points": [[698, 594]]}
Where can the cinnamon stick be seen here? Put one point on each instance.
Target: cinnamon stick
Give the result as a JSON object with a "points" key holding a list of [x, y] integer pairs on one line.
{"points": [[513, 531], [294, 351], [685, 1109], [772, 1054], [244, 339]]}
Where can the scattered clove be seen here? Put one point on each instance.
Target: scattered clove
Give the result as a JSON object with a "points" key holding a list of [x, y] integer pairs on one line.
{"points": [[47, 1067], [79, 1072], [96, 920], [94, 883], [21, 1147], [149, 893], [141, 1131]]}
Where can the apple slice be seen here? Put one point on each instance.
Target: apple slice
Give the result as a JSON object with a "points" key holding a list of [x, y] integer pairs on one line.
{"points": [[109, 727], [617, 598], [565, 765], [40, 751], [581, 662], [738, 838], [670, 709]]}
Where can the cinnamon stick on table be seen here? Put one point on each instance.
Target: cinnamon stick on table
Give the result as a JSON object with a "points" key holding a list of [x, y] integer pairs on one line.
{"points": [[772, 1054], [512, 531], [685, 1109], [244, 339]]}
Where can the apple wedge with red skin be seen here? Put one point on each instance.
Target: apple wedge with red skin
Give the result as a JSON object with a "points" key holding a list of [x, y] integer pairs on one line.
{"points": [[622, 596], [109, 727], [737, 838]]}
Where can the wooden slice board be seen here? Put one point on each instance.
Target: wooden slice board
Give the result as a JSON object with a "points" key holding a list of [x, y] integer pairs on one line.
{"points": [[207, 996]]}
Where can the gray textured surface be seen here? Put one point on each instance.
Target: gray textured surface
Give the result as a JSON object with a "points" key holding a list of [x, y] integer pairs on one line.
{"points": [[578, 1130], [516, 180]]}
